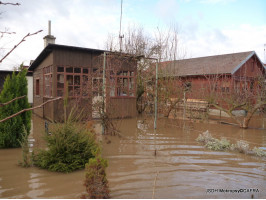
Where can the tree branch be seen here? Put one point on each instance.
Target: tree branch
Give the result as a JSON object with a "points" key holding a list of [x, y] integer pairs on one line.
{"points": [[4, 104], [28, 109], [6, 32], [13, 4], [23, 39]]}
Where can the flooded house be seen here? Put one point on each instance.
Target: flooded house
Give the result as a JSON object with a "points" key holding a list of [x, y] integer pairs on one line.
{"points": [[87, 77], [219, 74]]}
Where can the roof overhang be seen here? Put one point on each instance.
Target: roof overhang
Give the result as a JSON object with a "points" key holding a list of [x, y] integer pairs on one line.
{"points": [[245, 60], [50, 47]]}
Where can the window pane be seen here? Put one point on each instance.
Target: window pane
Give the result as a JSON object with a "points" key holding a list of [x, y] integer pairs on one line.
{"points": [[70, 79], [60, 78], [131, 83], [112, 91], [69, 69], [59, 93], [131, 73], [118, 92], [85, 71], [60, 85], [47, 90], [70, 90], [77, 70], [131, 93], [37, 87], [125, 82], [60, 69], [76, 91], [77, 80], [124, 73]]}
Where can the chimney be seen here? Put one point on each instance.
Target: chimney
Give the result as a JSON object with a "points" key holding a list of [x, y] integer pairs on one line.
{"points": [[49, 39]]}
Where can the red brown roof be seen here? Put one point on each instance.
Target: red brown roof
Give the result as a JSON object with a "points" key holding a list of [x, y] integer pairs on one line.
{"points": [[219, 64]]}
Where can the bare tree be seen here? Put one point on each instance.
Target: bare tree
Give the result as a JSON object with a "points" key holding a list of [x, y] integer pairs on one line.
{"points": [[231, 94], [161, 45]]}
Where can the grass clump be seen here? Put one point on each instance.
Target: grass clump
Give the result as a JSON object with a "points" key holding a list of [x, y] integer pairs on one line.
{"points": [[96, 182], [70, 146]]}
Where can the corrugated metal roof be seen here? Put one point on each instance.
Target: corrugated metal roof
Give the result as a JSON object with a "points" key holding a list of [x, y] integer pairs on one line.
{"points": [[219, 64]]}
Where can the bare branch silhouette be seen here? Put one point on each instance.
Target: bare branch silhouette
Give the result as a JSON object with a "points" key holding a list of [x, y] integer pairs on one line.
{"points": [[23, 39]]}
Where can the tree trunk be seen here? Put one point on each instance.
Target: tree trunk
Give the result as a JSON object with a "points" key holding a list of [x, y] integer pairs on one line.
{"points": [[245, 123]]}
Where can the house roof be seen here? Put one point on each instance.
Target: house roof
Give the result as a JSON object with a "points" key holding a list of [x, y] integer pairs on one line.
{"points": [[50, 47], [219, 64]]}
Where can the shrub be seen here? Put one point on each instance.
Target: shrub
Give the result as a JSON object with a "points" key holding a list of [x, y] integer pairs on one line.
{"points": [[223, 145], [26, 156], [11, 131], [70, 145], [205, 137], [96, 182], [259, 152], [218, 145], [241, 146]]}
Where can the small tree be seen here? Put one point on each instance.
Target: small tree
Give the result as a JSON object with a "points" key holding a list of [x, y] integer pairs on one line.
{"points": [[96, 182], [11, 131]]}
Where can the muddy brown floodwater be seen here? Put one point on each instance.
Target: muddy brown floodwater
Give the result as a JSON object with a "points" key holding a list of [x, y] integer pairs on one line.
{"points": [[143, 163]]}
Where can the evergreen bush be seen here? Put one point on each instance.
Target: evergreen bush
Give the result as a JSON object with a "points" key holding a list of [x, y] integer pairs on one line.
{"points": [[11, 131], [96, 182], [70, 146]]}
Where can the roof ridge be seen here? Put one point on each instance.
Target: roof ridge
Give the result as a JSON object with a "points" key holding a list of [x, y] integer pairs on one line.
{"points": [[218, 55]]}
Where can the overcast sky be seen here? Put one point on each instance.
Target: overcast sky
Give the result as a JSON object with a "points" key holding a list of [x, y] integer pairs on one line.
{"points": [[206, 27]]}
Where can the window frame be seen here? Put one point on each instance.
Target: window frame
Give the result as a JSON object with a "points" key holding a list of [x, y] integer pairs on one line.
{"points": [[48, 73], [66, 73], [130, 74], [37, 87]]}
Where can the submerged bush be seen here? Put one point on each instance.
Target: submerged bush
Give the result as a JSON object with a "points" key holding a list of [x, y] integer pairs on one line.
{"points": [[240, 146], [205, 137], [259, 152], [70, 146], [96, 182], [218, 145], [224, 145]]}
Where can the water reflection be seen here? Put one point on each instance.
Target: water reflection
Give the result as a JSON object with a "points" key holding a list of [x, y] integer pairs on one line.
{"points": [[170, 155], [186, 169]]}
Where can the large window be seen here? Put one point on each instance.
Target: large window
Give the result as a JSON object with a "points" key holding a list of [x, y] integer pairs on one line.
{"points": [[125, 84], [76, 79], [48, 81], [83, 82]]}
